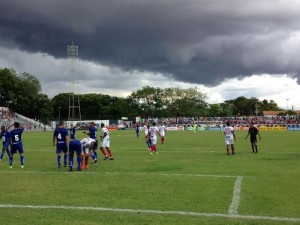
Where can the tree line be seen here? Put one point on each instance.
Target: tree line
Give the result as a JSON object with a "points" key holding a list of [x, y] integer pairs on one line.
{"points": [[22, 93]]}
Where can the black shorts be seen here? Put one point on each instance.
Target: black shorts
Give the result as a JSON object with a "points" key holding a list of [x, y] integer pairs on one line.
{"points": [[253, 139]]}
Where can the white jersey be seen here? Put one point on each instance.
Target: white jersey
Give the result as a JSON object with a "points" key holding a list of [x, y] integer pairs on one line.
{"points": [[86, 143], [152, 131], [229, 138], [105, 140], [103, 131], [162, 130], [145, 129], [229, 132]]}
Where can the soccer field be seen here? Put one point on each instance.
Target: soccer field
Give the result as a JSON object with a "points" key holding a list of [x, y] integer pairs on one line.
{"points": [[190, 181]]}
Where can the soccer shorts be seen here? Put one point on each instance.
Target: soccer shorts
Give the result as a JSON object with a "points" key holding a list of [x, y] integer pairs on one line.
{"points": [[15, 148], [105, 143], [229, 141]]}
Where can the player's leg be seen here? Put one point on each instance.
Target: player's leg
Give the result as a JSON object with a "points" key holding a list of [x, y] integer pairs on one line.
{"points": [[2, 153], [71, 157], [11, 158], [149, 144], [227, 144], [65, 151], [162, 138], [86, 158], [21, 152], [255, 146], [232, 149], [102, 150], [78, 153], [58, 157], [153, 147]]}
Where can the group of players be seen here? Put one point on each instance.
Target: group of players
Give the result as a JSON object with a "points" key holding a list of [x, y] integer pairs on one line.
{"points": [[230, 137], [83, 148], [88, 146], [12, 143], [151, 133]]}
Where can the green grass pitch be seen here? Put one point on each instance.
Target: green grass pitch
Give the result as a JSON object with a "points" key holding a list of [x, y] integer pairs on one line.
{"points": [[190, 181]]}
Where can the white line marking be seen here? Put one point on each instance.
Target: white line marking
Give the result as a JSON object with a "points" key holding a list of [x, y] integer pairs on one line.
{"points": [[233, 208], [288, 219]]}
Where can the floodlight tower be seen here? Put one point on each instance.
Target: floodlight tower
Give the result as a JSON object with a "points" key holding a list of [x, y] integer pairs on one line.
{"points": [[74, 102]]}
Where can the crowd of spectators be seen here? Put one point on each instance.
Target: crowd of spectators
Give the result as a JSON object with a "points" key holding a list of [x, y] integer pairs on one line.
{"points": [[237, 121]]}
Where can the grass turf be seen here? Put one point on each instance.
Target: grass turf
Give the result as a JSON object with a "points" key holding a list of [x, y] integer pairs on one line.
{"points": [[191, 173]]}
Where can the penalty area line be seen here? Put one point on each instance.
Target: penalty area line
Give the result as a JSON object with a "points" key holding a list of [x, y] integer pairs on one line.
{"points": [[233, 208], [152, 212]]}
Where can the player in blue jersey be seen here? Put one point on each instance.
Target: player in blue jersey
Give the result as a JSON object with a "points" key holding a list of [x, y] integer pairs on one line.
{"points": [[62, 138], [137, 130], [92, 132], [5, 136], [16, 144], [73, 132], [75, 147]]}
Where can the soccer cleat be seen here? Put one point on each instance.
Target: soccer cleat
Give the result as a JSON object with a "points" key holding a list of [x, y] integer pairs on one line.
{"points": [[111, 158], [10, 167], [86, 167], [71, 170], [105, 158], [22, 166], [151, 153], [95, 161], [65, 165]]}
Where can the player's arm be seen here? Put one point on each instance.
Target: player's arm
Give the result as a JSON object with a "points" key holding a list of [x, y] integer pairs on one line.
{"points": [[67, 139], [53, 139], [259, 135], [247, 136], [86, 132], [233, 135]]}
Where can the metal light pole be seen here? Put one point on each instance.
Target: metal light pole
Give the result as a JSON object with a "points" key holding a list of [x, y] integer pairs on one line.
{"points": [[287, 104], [74, 102]]}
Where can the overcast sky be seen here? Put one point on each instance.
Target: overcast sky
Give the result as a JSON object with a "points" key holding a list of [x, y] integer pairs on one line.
{"points": [[226, 48]]}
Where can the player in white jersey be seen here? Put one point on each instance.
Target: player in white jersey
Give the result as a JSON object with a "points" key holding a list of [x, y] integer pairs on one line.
{"points": [[147, 137], [229, 138], [162, 129], [87, 145], [105, 143], [145, 128], [153, 131]]}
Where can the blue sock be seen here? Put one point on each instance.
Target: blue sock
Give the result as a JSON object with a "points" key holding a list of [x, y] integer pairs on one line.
{"points": [[96, 155], [78, 162], [93, 155], [65, 159], [71, 163], [2, 154], [22, 160], [58, 160], [11, 159]]}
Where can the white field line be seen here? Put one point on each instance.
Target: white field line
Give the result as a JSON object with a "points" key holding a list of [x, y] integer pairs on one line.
{"points": [[233, 208], [287, 219]]}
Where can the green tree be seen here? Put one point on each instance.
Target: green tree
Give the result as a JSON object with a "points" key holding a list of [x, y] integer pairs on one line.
{"points": [[22, 94]]}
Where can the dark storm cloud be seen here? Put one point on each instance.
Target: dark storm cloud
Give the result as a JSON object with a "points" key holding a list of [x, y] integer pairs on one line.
{"points": [[203, 41]]}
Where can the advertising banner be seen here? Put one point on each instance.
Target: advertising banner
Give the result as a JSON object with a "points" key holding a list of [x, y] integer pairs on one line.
{"points": [[293, 127]]}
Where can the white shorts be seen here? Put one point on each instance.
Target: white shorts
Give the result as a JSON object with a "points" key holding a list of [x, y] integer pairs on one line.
{"points": [[229, 141], [86, 150], [154, 140], [162, 134], [105, 143]]}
